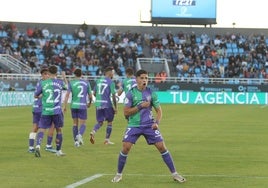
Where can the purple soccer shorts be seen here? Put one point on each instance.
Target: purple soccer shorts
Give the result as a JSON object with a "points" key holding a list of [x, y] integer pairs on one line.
{"points": [[79, 113], [151, 136], [105, 114], [47, 120]]}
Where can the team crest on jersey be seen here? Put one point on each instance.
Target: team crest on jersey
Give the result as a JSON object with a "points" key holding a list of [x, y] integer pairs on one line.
{"points": [[126, 101]]}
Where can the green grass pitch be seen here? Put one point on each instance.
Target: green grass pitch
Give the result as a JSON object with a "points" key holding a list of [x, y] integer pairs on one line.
{"points": [[213, 146]]}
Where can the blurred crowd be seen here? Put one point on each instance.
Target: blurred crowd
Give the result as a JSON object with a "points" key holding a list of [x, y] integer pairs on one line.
{"points": [[91, 51], [231, 55]]}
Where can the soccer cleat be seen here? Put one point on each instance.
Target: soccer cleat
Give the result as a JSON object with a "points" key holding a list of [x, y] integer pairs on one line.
{"points": [[108, 142], [76, 144], [92, 139], [117, 178], [60, 153], [31, 150], [37, 152], [50, 149], [177, 177], [79, 138]]}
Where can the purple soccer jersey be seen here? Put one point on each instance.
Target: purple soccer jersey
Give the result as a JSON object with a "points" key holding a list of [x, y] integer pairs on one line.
{"points": [[104, 88]]}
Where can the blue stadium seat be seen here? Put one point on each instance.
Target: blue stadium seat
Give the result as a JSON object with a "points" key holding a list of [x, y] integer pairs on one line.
{"points": [[221, 60], [84, 68], [235, 51], [64, 36], [41, 57], [4, 34], [72, 41], [123, 70], [176, 40], [241, 51], [66, 41], [77, 41], [229, 51], [90, 68], [266, 41], [139, 49], [14, 44], [228, 45], [234, 45], [70, 37], [93, 37], [198, 40]]}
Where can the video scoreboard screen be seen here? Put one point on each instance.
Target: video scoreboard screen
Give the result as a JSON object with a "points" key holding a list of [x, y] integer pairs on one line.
{"points": [[195, 12]]}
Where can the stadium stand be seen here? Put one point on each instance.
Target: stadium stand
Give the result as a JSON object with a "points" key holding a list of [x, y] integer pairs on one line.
{"points": [[204, 53]]}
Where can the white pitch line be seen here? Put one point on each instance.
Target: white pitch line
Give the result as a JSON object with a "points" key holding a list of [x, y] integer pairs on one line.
{"points": [[199, 175], [86, 180], [264, 106], [76, 184]]}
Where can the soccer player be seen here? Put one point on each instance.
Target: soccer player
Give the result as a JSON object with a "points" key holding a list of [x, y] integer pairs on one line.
{"points": [[138, 105], [36, 111], [128, 83], [81, 100], [51, 91], [105, 107]]}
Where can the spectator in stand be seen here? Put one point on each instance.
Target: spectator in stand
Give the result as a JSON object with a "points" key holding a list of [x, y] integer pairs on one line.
{"points": [[29, 32], [81, 34], [222, 70], [179, 67], [163, 76], [157, 78], [45, 33]]}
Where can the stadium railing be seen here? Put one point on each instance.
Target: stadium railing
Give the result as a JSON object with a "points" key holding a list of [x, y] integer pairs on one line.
{"points": [[15, 64], [244, 81]]}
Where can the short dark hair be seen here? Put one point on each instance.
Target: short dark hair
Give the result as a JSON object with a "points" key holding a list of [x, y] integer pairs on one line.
{"points": [[140, 72], [53, 69], [109, 68], [44, 70], [129, 71], [78, 72]]}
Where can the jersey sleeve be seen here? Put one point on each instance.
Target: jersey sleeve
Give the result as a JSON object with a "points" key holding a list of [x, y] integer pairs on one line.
{"points": [[155, 100], [128, 100], [112, 87], [38, 89]]}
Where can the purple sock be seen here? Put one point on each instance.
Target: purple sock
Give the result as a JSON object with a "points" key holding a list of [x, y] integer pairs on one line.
{"points": [[58, 141], [168, 160], [97, 127], [31, 142], [121, 162], [108, 131], [39, 138], [49, 140], [75, 131], [82, 129]]}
